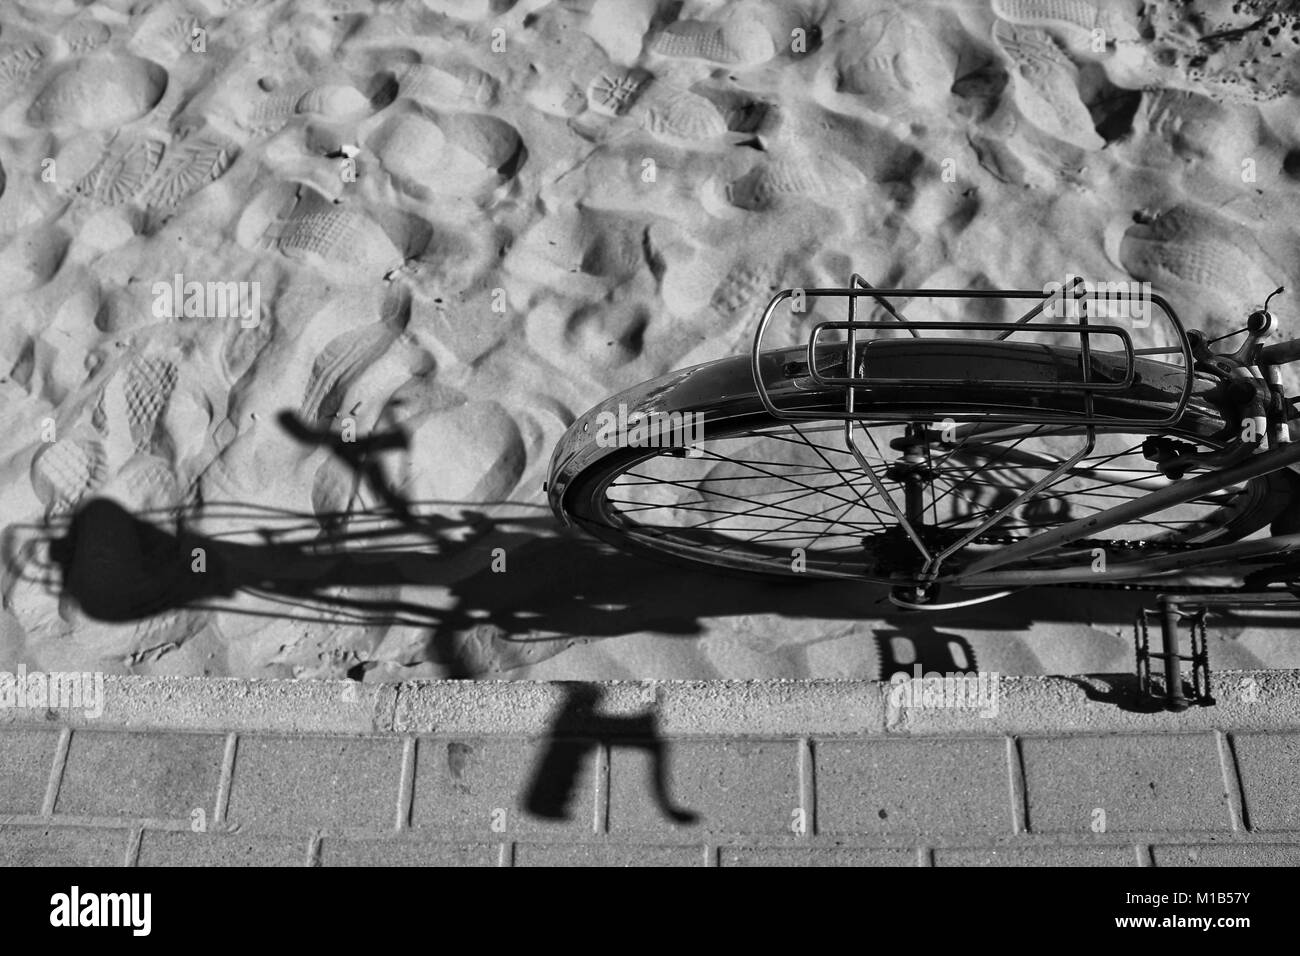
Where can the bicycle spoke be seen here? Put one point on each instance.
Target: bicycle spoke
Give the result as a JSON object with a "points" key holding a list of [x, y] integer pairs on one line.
{"points": [[765, 492]]}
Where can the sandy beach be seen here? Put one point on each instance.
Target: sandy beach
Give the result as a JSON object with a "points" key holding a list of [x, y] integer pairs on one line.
{"points": [[286, 279]]}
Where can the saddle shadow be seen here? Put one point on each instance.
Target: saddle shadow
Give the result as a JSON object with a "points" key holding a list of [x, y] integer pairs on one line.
{"points": [[574, 736], [519, 580]]}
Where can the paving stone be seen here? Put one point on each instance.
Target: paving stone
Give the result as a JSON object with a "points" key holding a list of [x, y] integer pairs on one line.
{"points": [[1038, 856], [1158, 779], [403, 851], [1227, 854], [173, 848], [913, 786], [63, 846], [1151, 783], [491, 789], [308, 782], [732, 786], [140, 775], [607, 854], [26, 756], [1270, 779], [816, 856]]}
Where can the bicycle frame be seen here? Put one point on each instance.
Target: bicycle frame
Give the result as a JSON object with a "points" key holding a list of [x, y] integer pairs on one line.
{"points": [[978, 573]]}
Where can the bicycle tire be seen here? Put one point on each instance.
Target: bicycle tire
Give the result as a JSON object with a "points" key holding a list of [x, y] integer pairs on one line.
{"points": [[723, 393]]}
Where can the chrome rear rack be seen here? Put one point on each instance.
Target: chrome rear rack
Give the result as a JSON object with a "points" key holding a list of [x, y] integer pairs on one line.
{"points": [[856, 354]]}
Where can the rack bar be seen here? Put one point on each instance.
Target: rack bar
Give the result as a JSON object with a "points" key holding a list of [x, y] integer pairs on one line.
{"points": [[851, 413], [854, 382]]}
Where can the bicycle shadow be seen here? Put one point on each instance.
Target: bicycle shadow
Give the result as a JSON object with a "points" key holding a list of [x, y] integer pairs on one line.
{"points": [[513, 578], [118, 566], [512, 585], [557, 588], [577, 731]]}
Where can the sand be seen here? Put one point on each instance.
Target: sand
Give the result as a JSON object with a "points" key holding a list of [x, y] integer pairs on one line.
{"points": [[468, 221]]}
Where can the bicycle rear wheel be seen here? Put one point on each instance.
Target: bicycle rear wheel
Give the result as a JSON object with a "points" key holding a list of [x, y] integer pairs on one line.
{"points": [[789, 499]]}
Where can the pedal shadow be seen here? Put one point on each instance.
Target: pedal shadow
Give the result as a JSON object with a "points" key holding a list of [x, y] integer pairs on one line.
{"points": [[1122, 691], [921, 649]]}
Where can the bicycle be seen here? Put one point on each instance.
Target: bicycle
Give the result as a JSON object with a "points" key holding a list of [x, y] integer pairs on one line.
{"points": [[986, 462]]}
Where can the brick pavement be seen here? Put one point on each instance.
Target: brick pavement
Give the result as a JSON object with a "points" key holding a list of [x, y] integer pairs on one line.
{"points": [[819, 773]]}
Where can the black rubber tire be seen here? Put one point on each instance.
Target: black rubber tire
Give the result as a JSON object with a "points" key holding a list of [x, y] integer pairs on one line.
{"points": [[716, 389]]}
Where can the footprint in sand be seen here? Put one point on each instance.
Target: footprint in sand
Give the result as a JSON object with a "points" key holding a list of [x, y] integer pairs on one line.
{"points": [[597, 337], [742, 287], [147, 387], [302, 224], [581, 252], [66, 471], [188, 165], [19, 62], [1210, 267], [339, 364], [333, 102], [165, 32], [470, 9], [132, 405], [472, 453], [333, 489], [122, 172], [1046, 85], [356, 347], [682, 117], [691, 274], [1196, 129], [32, 257], [1076, 16], [455, 154], [144, 482], [613, 91], [1080, 23], [746, 34], [490, 143], [742, 112], [85, 35], [99, 92], [894, 62], [824, 177], [448, 85], [605, 336]]}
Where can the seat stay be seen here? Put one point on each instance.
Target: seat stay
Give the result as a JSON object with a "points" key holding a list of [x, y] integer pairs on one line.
{"points": [[1188, 488]]}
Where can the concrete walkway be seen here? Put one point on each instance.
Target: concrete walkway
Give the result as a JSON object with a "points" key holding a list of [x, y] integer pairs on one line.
{"points": [[211, 772]]}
